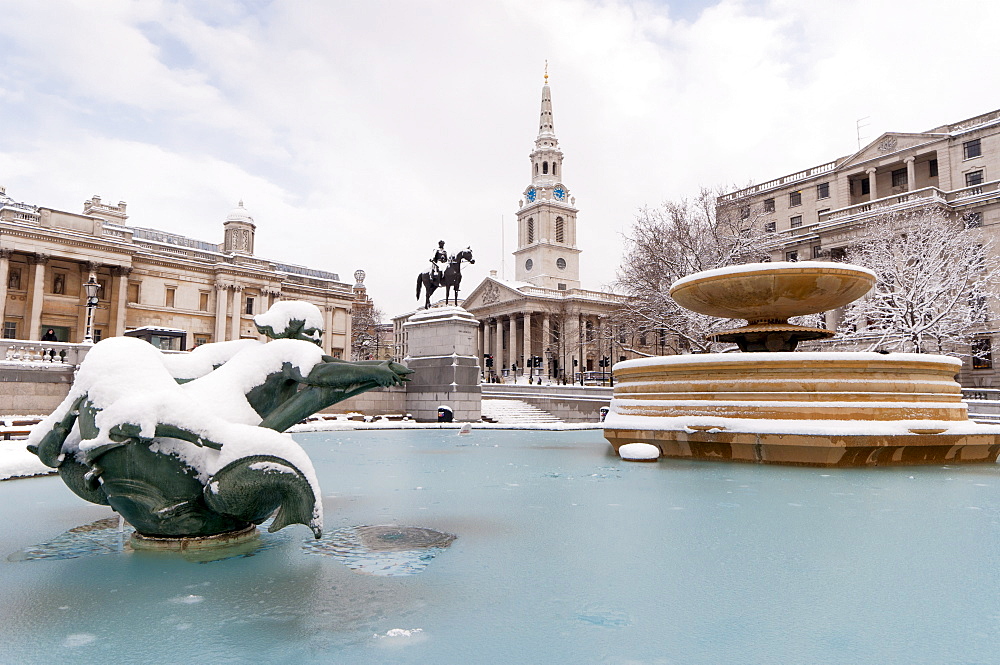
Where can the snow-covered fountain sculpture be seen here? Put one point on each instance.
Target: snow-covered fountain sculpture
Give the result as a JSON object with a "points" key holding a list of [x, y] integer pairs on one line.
{"points": [[189, 448], [806, 408]]}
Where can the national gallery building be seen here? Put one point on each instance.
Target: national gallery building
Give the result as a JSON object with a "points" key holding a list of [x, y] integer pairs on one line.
{"points": [[174, 291]]}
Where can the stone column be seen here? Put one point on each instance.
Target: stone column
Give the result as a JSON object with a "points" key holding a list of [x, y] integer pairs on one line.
{"points": [[480, 341], [872, 194], [498, 356], [546, 340], [526, 342], [512, 341], [37, 296], [234, 331], [5, 255], [328, 330], [911, 174], [221, 305], [119, 299]]}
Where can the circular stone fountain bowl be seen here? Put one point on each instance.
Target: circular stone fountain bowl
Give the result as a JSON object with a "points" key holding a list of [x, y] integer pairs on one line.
{"points": [[772, 291]]}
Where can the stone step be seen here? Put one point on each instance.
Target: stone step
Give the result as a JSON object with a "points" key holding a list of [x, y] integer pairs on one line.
{"points": [[515, 411]]}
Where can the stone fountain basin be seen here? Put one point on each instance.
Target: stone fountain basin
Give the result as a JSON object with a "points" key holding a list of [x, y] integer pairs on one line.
{"points": [[772, 291]]}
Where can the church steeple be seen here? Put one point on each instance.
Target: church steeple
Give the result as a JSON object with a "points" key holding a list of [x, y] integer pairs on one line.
{"points": [[546, 248]]}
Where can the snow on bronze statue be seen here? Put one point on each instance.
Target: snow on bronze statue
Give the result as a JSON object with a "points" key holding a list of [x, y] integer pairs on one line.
{"points": [[191, 446]]}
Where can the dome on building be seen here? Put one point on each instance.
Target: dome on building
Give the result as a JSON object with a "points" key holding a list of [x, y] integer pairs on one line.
{"points": [[239, 214]]}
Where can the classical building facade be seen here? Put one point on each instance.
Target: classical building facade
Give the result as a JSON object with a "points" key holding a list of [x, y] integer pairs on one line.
{"points": [[818, 212], [176, 291]]}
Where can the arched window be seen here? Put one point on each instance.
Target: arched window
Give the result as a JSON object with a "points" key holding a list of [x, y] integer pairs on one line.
{"points": [[545, 167], [531, 229], [536, 168], [560, 233], [553, 168]]}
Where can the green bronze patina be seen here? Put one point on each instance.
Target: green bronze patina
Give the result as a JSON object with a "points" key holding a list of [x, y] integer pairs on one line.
{"points": [[162, 495]]}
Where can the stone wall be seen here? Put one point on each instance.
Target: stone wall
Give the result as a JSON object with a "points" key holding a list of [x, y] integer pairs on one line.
{"points": [[35, 390]]}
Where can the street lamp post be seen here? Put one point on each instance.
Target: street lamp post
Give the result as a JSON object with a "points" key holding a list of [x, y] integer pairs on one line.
{"points": [[91, 287]]}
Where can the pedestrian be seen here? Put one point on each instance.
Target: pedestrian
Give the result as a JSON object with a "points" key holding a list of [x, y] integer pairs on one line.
{"points": [[50, 336]]}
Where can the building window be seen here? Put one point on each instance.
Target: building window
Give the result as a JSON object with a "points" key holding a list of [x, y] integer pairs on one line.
{"points": [[745, 212], [203, 301], [838, 254], [545, 168], [817, 251], [97, 334], [248, 307], [553, 168], [899, 178], [133, 292], [642, 339], [768, 205], [796, 221], [560, 230], [561, 263], [792, 256], [794, 199], [982, 353], [974, 178], [10, 329], [820, 213], [529, 264], [561, 287], [200, 340], [14, 279], [170, 297], [932, 168], [971, 149], [103, 293], [59, 283], [770, 227], [973, 220], [866, 186], [531, 230], [823, 190]]}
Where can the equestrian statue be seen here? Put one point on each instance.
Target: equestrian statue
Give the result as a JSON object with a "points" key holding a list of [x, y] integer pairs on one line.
{"points": [[434, 278]]}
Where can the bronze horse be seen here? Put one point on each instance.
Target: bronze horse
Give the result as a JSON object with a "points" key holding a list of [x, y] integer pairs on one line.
{"points": [[452, 277]]}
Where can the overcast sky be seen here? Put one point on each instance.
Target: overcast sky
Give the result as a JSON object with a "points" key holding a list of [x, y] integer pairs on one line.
{"points": [[360, 133]]}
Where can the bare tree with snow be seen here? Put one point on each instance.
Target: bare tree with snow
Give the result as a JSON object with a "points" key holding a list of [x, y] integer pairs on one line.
{"points": [[676, 239], [936, 283]]}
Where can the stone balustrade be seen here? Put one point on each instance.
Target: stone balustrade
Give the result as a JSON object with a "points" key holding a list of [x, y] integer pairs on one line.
{"points": [[22, 351]]}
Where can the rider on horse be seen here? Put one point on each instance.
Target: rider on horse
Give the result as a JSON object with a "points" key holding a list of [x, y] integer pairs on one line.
{"points": [[440, 256]]}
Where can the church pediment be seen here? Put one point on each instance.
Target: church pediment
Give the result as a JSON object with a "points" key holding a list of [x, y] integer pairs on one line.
{"points": [[489, 293], [888, 144]]}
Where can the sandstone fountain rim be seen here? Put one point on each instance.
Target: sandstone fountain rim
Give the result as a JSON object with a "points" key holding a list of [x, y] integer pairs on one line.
{"points": [[796, 357], [783, 267]]}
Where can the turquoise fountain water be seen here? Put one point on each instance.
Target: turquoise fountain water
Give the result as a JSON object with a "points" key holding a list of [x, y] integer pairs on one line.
{"points": [[563, 554]]}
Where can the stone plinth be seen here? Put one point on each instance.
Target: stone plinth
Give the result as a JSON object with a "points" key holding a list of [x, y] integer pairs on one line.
{"points": [[818, 409], [442, 343]]}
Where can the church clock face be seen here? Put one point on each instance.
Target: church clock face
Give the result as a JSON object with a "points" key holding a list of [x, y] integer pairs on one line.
{"points": [[528, 265], [531, 195], [560, 193]]}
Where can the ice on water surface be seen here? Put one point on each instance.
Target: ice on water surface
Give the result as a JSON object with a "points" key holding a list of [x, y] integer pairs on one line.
{"points": [[385, 551]]}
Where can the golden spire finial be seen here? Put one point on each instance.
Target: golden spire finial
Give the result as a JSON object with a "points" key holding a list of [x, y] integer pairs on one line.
{"points": [[546, 72]]}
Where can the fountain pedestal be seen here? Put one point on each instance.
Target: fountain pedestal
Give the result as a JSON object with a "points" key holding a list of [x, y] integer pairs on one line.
{"points": [[816, 409]]}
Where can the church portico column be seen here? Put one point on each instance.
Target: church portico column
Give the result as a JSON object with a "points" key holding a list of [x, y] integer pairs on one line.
{"points": [[512, 340], [911, 173], [221, 305], [546, 342], [872, 194], [526, 345], [5, 255], [37, 296], [498, 355]]}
